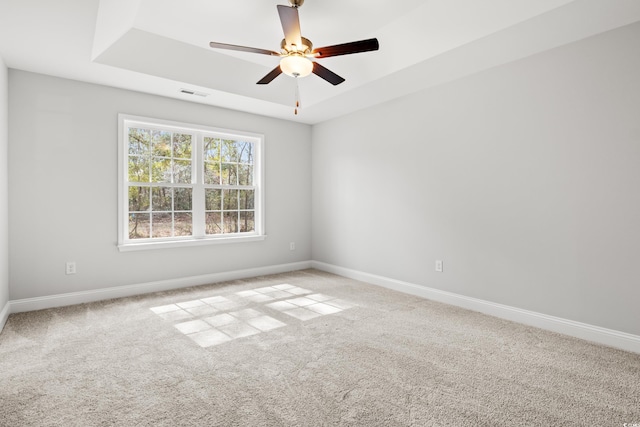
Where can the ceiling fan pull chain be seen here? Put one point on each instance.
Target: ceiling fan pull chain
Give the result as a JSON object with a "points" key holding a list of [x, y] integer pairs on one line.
{"points": [[297, 97]]}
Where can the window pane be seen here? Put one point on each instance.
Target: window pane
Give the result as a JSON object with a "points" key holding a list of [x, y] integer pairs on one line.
{"points": [[161, 199], [245, 175], [230, 199], [161, 225], [212, 173], [139, 141], [182, 224], [230, 222], [161, 146], [161, 170], [138, 199], [182, 199], [229, 174], [181, 146], [214, 223], [212, 199], [229, 151], [247, 222], [245, 150], [212, 149], [139, 226], [138, 169], [182, 171], [246, 199]]}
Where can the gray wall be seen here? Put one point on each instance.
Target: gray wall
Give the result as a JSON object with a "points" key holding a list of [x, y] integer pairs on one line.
{"points": [[4, 187], [524, 179], [63, 189]]}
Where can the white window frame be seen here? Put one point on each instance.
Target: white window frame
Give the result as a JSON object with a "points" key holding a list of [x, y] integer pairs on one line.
{"points": [[199, 237]]}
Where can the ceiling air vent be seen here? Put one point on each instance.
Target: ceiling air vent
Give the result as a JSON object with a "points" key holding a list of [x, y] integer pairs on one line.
{"points": [[193, 92]]}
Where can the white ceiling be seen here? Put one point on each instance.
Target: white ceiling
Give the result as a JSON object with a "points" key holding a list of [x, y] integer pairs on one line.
{"points": [[161, 46]]}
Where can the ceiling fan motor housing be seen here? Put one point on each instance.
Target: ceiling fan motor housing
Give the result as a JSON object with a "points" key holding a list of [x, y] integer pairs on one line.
{"points": [[305, 49], [296, 3]]}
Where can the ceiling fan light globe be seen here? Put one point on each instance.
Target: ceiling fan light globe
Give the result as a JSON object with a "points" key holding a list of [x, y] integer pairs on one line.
{"points": [[296, 66]]}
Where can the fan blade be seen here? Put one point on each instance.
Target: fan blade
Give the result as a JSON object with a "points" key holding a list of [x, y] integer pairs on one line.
{"points": [[290, 24], [216, 45], [326, 74], [346, 48], [269, 77]]}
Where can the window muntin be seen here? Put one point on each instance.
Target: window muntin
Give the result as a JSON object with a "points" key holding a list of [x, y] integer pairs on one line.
{"points": [[186, 182]]}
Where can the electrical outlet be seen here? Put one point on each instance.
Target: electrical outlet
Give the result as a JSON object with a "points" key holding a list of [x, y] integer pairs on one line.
{"points": [[439, 266], [71, 267], [292, 246]]}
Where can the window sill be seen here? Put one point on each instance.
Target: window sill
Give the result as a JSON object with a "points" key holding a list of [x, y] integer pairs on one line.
{"points": [[144, 246]]}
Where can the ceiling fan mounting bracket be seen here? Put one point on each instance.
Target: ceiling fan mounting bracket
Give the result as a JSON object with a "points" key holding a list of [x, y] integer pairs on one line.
{"points": [[296, 3]]}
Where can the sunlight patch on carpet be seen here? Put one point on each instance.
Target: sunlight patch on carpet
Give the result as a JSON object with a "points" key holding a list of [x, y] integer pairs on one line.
{"points": [[219, 319]]}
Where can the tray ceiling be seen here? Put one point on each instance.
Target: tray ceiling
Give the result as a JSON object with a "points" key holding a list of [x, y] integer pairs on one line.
{"points": [[161, 46]]}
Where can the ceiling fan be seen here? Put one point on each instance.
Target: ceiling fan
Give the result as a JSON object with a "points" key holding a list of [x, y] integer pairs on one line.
{"points": [[296, 51]]}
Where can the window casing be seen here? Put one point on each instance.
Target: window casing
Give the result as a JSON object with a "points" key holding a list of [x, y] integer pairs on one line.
{"points": [[183, 184]]}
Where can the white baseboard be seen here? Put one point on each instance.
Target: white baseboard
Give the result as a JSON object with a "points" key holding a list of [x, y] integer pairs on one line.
{"points": [[621, 340], [572, 328], [40, 303], [4, 314]]}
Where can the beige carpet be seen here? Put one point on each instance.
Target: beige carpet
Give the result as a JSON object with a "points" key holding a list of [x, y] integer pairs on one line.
{"points": [[302, 349]]}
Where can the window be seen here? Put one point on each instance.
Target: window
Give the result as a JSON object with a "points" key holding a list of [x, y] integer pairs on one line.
{"points": [[183, 184]]}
